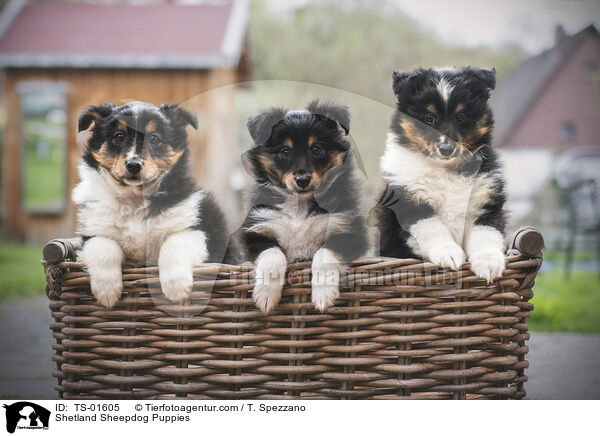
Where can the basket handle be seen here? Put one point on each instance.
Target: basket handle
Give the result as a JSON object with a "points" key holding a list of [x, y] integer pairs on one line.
{"points": [[528, 241], [58, 250]]}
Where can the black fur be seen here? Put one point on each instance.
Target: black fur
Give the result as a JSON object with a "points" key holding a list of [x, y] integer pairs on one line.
{"points": [[338, 191], [421, 116]]}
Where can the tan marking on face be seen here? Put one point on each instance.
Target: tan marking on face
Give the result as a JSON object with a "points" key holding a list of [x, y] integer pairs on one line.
{"points": [[151, 127], [113, 164], [311, 140], [269, 166], [337, 159], [431, 108], [288, 180], [166, 161], [122, 125], [459, 107], [316, 179], [288, 143], [152, 168], [481, 129], [412, 135]]}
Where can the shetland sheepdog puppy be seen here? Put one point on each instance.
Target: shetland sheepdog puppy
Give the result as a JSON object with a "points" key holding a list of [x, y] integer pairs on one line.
{"points": [[305, 202], [445, 192], [138, 203]]}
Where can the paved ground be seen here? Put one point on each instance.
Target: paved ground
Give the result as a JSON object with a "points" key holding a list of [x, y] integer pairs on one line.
{"points": [[562, 366], [26, 349]]}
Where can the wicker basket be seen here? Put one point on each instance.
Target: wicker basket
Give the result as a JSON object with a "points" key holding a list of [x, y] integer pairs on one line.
{"points": [[401, 329]]}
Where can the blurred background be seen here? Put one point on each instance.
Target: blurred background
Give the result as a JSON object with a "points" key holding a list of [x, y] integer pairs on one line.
{"points": [[228, 59]]}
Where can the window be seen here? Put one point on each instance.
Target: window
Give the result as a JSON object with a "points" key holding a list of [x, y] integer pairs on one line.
{"points": [[566, 131], [590, 72], [43, 146]]}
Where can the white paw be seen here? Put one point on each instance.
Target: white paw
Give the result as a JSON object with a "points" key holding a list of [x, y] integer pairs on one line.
{"points": [[107, 286], [324, 296], [269, 278], [488, 265], [449, 255], [266, 297], [325, 279], [176, 282]]}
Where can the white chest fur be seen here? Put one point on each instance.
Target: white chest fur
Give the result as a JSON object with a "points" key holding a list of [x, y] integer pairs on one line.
{"points": [[297, 232], [457, 199], [110, 211]]}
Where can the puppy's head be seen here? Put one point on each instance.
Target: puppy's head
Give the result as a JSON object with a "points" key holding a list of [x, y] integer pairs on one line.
{"points": [[294, 150], [137, 143], [444, 113]]}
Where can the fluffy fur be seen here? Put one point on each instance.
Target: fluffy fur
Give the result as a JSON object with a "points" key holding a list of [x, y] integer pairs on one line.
{"points": [[138, 202], [305, 200], [444, 195]]}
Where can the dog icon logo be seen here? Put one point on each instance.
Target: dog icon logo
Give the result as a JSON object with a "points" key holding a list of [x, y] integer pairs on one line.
{"points": [[24, 414]]}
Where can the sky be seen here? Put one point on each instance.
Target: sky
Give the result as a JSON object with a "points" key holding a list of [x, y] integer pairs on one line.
{"points": [[527, 23]]}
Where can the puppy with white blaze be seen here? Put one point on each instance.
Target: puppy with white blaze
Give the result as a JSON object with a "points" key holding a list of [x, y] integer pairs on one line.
{"points": [[305, 202], [445, 191], [138, 203]]}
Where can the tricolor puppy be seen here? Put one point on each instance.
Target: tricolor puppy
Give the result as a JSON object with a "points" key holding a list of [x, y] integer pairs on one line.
{"points": [[305, 201], [138, 202], [444, 198]]}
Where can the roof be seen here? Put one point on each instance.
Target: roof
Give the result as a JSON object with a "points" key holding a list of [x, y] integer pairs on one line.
{"points": [[55, 34], [518, 93]]}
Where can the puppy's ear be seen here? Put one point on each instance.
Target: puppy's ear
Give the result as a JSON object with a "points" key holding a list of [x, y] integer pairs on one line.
{"points": [[179, 116], [403, 81], [260, 126], [335, 112], [93, 114], [486, 76], [247, 163]]}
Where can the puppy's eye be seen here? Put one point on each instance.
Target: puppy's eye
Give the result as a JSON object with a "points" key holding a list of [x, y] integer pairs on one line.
{"points": [[284, 152], [119, 138], [460, 117], [429, 119], [317, 151], [153, 139]]}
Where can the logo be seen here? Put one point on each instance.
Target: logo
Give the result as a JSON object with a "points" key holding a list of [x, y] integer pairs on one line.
{"points": [[26, 415]]}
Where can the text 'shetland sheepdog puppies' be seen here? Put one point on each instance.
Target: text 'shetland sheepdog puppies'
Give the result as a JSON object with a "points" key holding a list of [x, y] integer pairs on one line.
{"points": [[138, 202], [444, 198], [306, 200]]}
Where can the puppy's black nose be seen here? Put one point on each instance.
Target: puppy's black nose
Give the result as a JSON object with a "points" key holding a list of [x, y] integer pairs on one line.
{"points": [[446, 148], [133, 166], [303, 181]]}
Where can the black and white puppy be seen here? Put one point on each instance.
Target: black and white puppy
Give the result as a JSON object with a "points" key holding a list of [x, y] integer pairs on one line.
{"points": [[306, 200], [138, 202], [444, 197]]}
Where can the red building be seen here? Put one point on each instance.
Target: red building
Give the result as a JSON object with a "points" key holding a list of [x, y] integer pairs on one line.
{"points": [[59, 57], [552, 100]]}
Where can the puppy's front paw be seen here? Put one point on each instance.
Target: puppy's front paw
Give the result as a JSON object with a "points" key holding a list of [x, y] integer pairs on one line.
{"points": [[449, 255], [324, 296], [107, 286], [265, 296], [488, 265], [269, 278], [325, 279], [176, 282]]}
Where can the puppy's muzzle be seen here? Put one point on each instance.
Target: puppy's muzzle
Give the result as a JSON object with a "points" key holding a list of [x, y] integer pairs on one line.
{"points": [[303, 180], [134, 166], [446, 148]]}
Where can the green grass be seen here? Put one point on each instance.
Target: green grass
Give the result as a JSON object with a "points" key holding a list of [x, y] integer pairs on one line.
{"points": [[21, 274], [566, 306], [44, 181]]}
